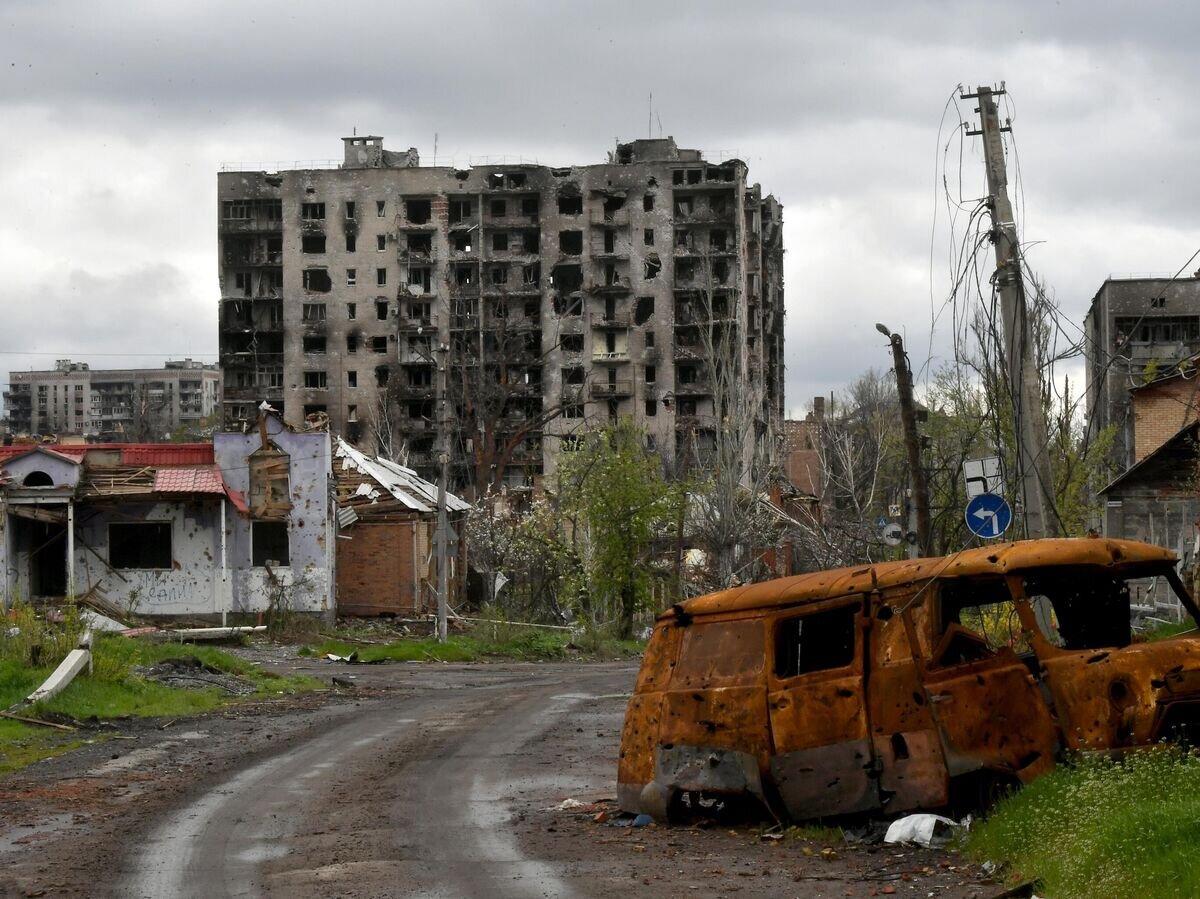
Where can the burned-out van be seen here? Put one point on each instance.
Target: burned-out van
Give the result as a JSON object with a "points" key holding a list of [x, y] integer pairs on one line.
{"points": [[904, 685]]}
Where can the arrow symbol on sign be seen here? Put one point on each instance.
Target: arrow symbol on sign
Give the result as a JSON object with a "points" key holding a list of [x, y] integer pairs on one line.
{"points": [[984, 514]]}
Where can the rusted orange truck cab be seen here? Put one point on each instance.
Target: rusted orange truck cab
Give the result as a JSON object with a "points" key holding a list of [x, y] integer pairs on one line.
{"points": [[889, 686]]}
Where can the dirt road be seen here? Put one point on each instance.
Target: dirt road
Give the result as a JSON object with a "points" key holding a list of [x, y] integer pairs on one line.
{"points": [[428, 780]]}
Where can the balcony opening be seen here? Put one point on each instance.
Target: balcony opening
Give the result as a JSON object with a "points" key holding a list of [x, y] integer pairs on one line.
{"points": [[500, 242], [460, 211], [499, 209], [418, 212], [529, 206], [570, 204]]}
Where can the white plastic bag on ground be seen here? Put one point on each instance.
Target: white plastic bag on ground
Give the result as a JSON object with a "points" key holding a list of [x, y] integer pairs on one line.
{"points": [[921, 830]]}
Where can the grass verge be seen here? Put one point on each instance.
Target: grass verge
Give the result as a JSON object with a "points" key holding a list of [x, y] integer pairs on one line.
{"points": [[1102, 829], [114, 690]]}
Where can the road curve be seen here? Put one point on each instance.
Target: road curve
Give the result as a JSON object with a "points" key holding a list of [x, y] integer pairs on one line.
{"points": [[404, 797]]}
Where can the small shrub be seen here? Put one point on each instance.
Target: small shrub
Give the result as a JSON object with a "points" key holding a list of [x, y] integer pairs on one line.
{"points": [[34, 640]]}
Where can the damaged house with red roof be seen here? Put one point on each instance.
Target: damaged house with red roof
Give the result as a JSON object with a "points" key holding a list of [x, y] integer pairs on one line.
{"points": [[208, 531]]}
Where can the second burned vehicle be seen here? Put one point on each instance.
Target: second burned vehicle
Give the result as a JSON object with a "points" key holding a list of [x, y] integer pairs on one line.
{"points": [[905, 685]]}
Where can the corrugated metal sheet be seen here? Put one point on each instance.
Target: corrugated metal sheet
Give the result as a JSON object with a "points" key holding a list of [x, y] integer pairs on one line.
{"points": [[402, 483]]}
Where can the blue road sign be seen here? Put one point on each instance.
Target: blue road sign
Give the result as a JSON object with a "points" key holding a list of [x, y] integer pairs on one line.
{"points": [[988, 515]]}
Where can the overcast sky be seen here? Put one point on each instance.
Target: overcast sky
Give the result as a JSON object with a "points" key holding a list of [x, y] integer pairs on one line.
{"points": [[117, 117]]}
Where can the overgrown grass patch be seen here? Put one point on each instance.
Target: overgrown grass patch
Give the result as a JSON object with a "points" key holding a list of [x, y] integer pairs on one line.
{"points": [[1099, 828], [501, 641], [114, 689]]}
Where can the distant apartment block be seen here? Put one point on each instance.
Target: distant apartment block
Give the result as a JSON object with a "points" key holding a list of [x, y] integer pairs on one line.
{"points": [[555, 298], [140, 404], [1136, 330]]}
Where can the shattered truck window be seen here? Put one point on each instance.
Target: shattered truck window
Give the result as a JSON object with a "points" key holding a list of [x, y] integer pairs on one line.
{"points": [[815, 642], [720, 652], [984, 607], [1090, 606]]}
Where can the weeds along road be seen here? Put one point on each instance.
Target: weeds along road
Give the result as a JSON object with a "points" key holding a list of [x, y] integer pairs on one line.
{"points": [[428, 780]]}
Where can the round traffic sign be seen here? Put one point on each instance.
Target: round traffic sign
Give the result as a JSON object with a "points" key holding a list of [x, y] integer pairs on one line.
{"points": [[988, 515], [893, 534]]}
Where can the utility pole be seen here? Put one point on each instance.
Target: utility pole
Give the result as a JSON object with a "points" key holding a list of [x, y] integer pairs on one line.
{"points": [[1034, 480], [443, 526], [912, 444]]}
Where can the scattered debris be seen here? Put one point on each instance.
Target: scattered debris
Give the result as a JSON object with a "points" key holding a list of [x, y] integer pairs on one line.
{"points": [[191, 673], [76, 661], [98, 622], [43, 723], [344, 682], [922, 830], [351, 659]]}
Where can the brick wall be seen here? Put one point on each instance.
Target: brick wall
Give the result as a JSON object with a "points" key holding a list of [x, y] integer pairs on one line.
{"points": [[1160, 411], [375, 569]]}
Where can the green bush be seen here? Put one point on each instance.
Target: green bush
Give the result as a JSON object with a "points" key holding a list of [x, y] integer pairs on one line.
{"points": [[1099, 828], [30, 639]]}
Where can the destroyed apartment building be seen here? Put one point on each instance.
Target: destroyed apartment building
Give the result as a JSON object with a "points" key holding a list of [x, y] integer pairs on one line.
{"points": [[239, 526], [129, 404], [554, 298]]}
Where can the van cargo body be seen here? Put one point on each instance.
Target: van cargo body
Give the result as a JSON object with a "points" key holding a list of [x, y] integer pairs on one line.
{"points": [[904, 685]]}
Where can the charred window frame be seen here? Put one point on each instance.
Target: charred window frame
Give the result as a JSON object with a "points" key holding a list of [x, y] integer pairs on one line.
{"points": [[1091, 606], [817, 641], [269, 543], [143, 545]]}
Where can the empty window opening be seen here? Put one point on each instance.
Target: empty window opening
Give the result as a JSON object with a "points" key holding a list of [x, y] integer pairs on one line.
{"points": [[571, 410], [351, 343], [651, 407], [684, 205], [651, 374], [351, 243], [419, 212], [351, 209], [464, 275], [648, 236], [500, 242], [314, 312], [816, 642], [529, 206], [567, 278], [420, 243], [312, 243], [381, 276], [570, 204], [317, 280], [611, 205], [269, 541], [382, 374], [572, 343], [573, 375], [648, 203], [516, 179], [312, 211], [499, 209], [379, 344], [314, 344], [693, 176], [610, 241], [461, 241], [460, 211], [531, 241], [381, 310], [351, 379], [677, 176], [499, 274], [717, 240], [420, 278], [380, 243], [611, 275], [352, 413], [380, 208], [570, 242], [570, 305], [642, 310], [315, 380], [351, 277], [652, 268], [649, 339], [140, 545], [531, 274], [495, 180]]}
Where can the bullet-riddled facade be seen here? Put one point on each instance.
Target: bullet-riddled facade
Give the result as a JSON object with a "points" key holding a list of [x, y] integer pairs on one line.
{"points": [[556, 298]]}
